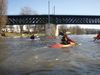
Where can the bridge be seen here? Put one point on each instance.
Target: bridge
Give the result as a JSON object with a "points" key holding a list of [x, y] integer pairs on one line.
{"points": [[54, 19]]}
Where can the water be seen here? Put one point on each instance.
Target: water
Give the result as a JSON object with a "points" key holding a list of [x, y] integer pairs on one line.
{"points": [[22, 56]]}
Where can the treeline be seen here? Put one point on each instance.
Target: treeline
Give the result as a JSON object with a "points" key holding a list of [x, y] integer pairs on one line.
{"points": [[3, 12], [78, 30]]}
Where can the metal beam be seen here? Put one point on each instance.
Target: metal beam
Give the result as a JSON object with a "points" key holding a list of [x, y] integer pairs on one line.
{"points": [[54, 19]]}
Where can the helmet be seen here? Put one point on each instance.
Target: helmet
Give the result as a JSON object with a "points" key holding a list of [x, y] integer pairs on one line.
{"points": [[68, 32], [61, 33]]}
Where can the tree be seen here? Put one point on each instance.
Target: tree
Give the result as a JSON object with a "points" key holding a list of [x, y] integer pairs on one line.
{"points": [[63, 28], [3, 12], [27, 11]]}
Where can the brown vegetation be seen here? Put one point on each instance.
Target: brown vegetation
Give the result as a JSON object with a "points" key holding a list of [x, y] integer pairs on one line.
{"points": [[3, 12]]}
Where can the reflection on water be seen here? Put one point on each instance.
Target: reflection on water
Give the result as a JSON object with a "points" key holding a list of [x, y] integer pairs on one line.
{"points": [[3, 50], [22, 56]]}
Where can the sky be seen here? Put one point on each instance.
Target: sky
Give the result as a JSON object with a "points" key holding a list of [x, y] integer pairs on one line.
{"points": [[62, 7]]}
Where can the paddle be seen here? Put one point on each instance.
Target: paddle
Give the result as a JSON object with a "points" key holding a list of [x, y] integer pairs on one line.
{"points": [[96, 37], [77, 43]]}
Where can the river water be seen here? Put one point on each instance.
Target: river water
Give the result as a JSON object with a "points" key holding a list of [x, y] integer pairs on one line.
{"points": [[22, 56]]}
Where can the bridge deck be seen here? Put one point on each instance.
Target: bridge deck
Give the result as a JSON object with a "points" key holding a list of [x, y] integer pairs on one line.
{"points": [[54, 19]]}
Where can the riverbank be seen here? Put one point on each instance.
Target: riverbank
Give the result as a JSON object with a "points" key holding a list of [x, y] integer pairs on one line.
{"points": [[18, 35]]}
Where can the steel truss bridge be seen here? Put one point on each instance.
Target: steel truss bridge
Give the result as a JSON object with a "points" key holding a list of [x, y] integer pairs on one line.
{"points": [[54, 19]]}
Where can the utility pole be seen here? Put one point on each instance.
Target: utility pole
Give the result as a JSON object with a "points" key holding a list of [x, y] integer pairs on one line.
{"points": [[56, 26], [54, 10], [48, 27], [48, 12]]}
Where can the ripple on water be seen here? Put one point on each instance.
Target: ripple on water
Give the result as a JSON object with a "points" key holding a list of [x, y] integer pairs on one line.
{"points": [[37, 59]]}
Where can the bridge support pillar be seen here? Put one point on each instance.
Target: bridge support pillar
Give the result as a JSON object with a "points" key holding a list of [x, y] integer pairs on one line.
{"points": [[56, 30], [52, 30]]}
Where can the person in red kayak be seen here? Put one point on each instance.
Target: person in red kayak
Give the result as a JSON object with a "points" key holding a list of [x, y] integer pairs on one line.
{"points": [[65, 42], [65, 39], [97, 37]]}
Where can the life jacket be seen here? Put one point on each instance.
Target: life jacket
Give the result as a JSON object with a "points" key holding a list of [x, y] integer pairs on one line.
{"points": [[98, 36], [64, 40], [69, 39], [32, 37]]}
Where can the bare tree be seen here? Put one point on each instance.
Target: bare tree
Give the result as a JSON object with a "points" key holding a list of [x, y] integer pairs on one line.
{"points": [[27, 11], [3, 12]]}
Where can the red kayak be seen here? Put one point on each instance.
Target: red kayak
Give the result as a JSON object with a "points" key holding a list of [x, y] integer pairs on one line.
{"points": [[61, 45]]}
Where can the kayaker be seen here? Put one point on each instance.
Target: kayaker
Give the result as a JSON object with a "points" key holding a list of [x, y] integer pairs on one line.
{"points": [[97, 37], [3, 34], [66, 40], [32, 36]]}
